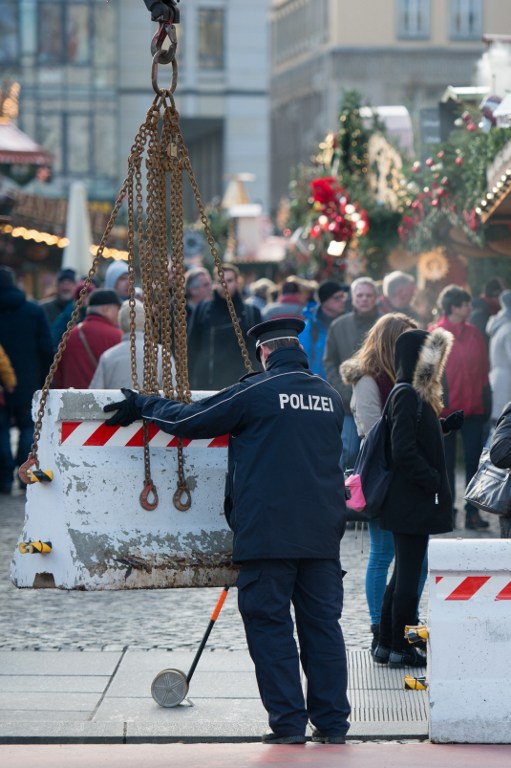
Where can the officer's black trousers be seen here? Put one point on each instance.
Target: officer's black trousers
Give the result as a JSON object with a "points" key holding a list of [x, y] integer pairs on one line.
{"points": [[266, 589]]}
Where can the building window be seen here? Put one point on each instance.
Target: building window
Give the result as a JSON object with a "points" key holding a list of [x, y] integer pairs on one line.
{"points": [[9, 26], [211, 38], [465, 19], [65, 33], [83, 143], [413, 19], [299, 27], [78, 137]]}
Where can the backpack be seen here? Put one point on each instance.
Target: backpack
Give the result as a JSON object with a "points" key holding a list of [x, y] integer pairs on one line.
{"points": [[367, 486]]}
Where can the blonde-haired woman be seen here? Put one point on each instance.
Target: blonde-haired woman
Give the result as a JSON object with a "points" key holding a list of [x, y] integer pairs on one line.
{"points": [[371, 374]]}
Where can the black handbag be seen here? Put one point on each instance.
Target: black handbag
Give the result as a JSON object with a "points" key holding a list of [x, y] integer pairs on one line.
{"points": [[490, 488]]}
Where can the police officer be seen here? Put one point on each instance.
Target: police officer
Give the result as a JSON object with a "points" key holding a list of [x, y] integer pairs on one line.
{"points": [[285, 505]]}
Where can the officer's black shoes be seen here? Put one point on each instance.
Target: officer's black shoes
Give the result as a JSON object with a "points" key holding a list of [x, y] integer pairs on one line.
{"points": [[410, 658], [324, 738], [273, 738], [381, 654]]}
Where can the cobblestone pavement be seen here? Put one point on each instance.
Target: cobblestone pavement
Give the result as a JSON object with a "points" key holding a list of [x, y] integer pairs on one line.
{"points": [[172, 619]]}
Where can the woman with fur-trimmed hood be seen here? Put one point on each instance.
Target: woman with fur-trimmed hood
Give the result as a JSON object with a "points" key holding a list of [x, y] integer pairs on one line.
{"points": [[371, 374], [419, 501]]}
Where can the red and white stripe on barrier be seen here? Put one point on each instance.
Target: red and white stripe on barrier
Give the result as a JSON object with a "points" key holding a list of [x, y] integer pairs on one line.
{"points": [[97, 434], [473, 587]]}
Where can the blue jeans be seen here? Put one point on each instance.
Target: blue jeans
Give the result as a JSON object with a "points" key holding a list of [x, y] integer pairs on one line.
{"points": [[350, 442], [381, 554]]}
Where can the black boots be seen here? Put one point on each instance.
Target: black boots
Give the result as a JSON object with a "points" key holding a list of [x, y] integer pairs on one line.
{"points": [[381, 654], [411, 657], [375, 629], [474, 522]]}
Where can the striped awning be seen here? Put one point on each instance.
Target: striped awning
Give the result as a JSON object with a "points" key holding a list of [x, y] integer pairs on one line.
{"points": [[16, 148]]}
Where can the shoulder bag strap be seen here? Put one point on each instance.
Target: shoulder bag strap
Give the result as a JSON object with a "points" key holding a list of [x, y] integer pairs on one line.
{"points": [[86, 345]]}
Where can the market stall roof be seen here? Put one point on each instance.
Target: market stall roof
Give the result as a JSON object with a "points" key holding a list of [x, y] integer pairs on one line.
{"points": [[16, 148], [503, 112], [494, 211], [495, 207], [464, 93]]}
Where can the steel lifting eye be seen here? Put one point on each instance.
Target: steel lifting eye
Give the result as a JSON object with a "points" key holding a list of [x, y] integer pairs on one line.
{"points": [[149, 488], [182, 506], [165, 56]]}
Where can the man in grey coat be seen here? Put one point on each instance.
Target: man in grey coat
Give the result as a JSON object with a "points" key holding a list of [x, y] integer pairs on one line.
{"points": [[114, 367], [344, 337]]}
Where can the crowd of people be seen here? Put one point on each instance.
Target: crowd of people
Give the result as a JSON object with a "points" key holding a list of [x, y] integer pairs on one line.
{"points": [[327, 358], [338, 318]]}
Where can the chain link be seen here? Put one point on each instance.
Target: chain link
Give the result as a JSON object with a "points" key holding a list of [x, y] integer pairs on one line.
{"points": [[158, 148], [214, 252]]}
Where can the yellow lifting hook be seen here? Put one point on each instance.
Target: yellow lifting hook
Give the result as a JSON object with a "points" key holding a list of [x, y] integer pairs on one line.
{"points": [[416, 634], [29, 476], [35, 547], [40, 475]]}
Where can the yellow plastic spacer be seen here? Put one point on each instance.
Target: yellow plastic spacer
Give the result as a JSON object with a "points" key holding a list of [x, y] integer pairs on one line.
{"points": [[35, 547], [415, 683], [39, 475], [417, 633]]}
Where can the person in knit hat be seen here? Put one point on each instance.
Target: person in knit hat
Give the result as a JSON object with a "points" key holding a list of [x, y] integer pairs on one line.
{"points": [[63, 296], [332, 302], [290, 301], [88, 340], [116, 279]]}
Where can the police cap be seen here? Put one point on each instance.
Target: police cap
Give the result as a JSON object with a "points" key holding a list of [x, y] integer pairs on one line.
{"points": [[272, 330]]}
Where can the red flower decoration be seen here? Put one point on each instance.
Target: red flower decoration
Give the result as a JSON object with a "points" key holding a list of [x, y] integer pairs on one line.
{"points": [[324, 190]]}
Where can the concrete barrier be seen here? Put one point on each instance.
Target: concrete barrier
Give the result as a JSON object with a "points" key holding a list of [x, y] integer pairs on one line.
{"points": [[469, 649], [90, 515]]}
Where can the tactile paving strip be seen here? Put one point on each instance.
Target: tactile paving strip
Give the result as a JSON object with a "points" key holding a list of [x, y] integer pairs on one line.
{"points": [[377, 694]]}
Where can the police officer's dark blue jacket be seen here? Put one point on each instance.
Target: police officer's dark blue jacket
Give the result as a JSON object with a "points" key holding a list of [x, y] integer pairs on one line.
{"points": [[285, 488]]}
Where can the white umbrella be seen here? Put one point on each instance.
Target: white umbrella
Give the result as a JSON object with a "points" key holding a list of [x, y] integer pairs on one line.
{"points": [[77, 254]]}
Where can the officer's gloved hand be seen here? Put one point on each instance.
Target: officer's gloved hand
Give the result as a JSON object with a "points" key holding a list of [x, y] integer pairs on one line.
{"points": [[127, 410], [161, 10], [453, 422]]}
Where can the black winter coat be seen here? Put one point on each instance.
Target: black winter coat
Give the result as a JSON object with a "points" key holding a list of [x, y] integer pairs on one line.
{"points": [[285, 488], [419, 499], [214, 355], [500, 446], [25, 336]]}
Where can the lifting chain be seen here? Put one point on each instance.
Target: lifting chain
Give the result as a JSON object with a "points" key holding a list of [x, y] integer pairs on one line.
{"points": [[159, 152], [33, 458]]}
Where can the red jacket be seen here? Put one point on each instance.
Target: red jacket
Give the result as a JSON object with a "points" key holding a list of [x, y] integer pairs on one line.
{"points": [[77, 368], [466, 369]]}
